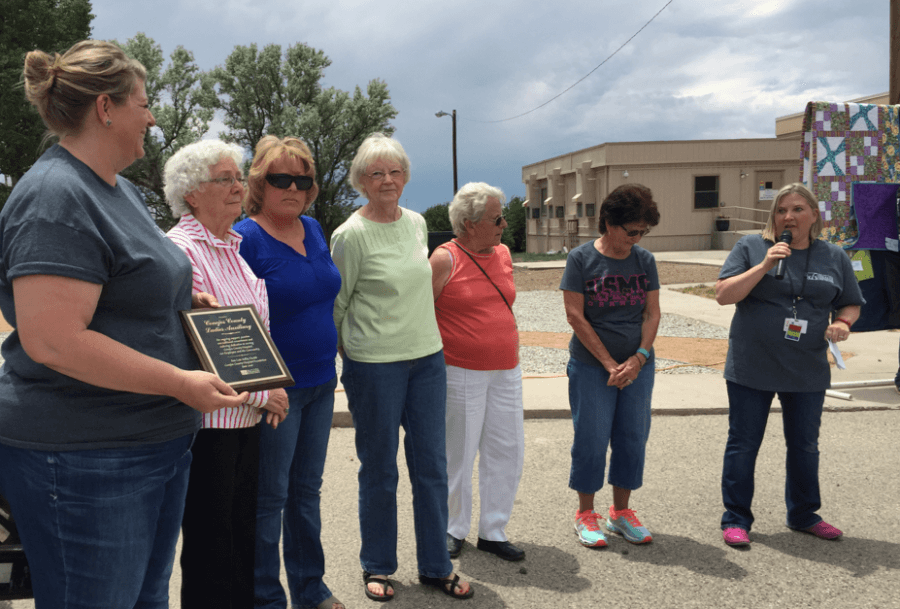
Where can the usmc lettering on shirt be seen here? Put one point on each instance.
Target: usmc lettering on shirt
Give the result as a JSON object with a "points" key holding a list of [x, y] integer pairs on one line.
{"points": [[616, 291]]}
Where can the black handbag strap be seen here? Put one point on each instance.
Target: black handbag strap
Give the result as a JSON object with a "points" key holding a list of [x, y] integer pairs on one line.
{"points": [[472, 258]]}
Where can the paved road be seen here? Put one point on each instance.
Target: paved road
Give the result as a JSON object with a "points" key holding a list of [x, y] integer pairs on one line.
{"points": [[687, 565]]}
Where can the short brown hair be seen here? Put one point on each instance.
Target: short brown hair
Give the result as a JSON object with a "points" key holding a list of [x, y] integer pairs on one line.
{"points": [[628, 203], [63, 87], [268, 150]]}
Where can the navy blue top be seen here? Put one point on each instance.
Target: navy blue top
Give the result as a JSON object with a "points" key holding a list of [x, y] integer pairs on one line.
{"points": [[62, 219], [301, 291]]}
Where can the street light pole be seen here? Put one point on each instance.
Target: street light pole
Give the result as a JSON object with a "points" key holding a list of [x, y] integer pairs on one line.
{"points": [[453, 117]]}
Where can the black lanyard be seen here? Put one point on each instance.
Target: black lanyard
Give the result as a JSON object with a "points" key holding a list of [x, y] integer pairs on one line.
{"points": [[798, 297]]}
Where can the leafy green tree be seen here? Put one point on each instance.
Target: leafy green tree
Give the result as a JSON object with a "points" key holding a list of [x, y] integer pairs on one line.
{"points": [[514, 234], [182, 101], [26, 25], [437, 217], [267, 92]]}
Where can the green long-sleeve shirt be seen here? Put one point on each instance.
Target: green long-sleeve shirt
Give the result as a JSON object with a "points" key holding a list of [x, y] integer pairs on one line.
{"points": [[385, 309]]}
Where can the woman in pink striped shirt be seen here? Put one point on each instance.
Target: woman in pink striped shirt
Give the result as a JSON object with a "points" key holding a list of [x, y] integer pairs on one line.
{"points": [[205, 187]]}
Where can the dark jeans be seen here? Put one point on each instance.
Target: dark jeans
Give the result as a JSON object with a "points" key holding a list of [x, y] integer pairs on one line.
{"points": [[218, 529], [292, 459], [748, 413], [99, 527], [382, 397]]}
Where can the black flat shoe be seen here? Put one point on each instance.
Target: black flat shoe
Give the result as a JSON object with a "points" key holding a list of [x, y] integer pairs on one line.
{"points": [[503, 549], [370, 578], [454, 545]]}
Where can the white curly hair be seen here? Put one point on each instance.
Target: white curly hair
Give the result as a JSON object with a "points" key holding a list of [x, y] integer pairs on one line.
{"points": [[377, 147], [469, 204], [189, 167]]}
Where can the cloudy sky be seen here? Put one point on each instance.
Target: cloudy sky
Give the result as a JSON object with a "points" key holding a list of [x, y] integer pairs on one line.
{"points": [[700, 70]]}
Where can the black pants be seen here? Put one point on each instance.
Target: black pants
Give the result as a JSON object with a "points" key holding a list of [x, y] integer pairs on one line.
{"points": [[219, 525]]}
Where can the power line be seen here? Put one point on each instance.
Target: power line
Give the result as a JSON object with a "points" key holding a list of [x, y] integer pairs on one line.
{"points": [[583, 77]]}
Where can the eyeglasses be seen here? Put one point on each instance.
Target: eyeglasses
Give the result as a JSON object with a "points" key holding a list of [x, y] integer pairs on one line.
{"points": [[635, 232], [227, 181], [284, 181], [499, 220], [379, 176]]}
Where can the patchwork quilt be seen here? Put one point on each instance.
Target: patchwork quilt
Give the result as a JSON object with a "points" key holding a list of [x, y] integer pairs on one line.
{"points": [[842, 144]]}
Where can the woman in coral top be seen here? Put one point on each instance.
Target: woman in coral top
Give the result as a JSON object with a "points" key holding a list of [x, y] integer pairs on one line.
{"points": [[474, 292]]}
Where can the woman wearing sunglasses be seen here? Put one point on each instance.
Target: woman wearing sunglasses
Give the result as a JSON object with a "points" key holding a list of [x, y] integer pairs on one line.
{"points": [[288, 250], [611, 294], [472, 279], [393, 370]]}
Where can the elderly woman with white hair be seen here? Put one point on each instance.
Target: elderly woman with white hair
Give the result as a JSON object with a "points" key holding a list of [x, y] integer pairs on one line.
{"points": [[473, 286], [393, 370], [204, 187]]}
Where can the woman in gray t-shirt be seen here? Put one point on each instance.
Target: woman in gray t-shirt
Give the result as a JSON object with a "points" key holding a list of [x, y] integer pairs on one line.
{"points": [[777, 344], [611, 294]]}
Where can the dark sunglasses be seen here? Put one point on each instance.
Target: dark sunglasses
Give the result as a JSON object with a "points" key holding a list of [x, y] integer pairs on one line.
{"points": [[635, 232], [499, 220], [284, 181]]}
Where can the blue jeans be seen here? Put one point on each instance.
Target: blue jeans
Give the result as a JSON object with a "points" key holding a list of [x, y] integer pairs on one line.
{"points": [[291, 462], [383, 397], [99, 527], [605, 416], [748, 413]]}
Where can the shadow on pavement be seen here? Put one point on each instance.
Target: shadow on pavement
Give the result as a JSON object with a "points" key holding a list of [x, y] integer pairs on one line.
{"points": [[544, 567], [861, 557], [678, 551]]}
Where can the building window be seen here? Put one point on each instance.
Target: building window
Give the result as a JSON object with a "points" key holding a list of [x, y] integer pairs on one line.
{"points": [[706, 192], [578, 210], [535, 212], [560, 211], [769, 185], [589, 210], [544, 202]]}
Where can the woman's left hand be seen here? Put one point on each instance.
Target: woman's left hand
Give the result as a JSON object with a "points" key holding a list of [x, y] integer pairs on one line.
{"points": [[202, 300], [277, 406], [837, 331], [625, 373]]}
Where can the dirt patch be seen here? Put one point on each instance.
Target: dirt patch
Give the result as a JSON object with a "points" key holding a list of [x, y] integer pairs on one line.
{"points": [[669, 273]]}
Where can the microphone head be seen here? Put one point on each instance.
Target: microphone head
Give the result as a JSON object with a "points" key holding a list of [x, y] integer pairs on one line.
{"points": [[786, 237]]}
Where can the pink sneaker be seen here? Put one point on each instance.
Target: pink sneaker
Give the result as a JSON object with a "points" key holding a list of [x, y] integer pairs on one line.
{"points": [[823, 530], [734, 536]]}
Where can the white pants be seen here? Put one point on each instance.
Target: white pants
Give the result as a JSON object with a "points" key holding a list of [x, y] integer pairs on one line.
{"points": [[484, 414]]}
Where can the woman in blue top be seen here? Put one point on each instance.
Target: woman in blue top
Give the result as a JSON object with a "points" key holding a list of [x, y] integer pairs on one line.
{"points": [[288, 251]]}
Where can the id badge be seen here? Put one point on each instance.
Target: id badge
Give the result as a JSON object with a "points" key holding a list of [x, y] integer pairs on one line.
{"points": [[793, 328]]}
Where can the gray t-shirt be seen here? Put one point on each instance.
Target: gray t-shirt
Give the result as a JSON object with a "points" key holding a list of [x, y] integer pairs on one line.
{"points": [[759, 355], [615, 293], [63, 220]]}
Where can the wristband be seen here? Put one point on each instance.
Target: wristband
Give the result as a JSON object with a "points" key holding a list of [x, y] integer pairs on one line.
{"points": [[644, 352], [849, 325]]}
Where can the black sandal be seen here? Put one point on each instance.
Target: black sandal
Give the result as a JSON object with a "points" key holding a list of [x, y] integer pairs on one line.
{"points": [[448, 586], [369, 578]]}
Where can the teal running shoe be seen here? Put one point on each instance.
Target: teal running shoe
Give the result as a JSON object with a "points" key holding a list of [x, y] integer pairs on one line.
{"points": [[625, 523], [587, 527]]}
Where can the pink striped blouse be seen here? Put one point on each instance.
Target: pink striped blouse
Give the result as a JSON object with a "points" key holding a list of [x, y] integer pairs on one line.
{"points": [[219, 270]]}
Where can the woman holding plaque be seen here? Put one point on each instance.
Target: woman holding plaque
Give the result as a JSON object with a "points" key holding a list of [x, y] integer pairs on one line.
{"points": [[99, 396], [289, 251], [393, 370], [204, 188]]}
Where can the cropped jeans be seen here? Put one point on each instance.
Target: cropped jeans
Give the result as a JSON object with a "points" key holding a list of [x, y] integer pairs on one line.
{"points": [[99, 527], [382, 397], [292, 459], [748, 413], [608, 417]]}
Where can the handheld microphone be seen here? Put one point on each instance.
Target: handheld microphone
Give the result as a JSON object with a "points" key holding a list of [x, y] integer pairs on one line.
{"points": [[785, 237]]}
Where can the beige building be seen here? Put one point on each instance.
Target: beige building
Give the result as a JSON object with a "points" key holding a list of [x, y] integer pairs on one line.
{"points": [[695, 183]]}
